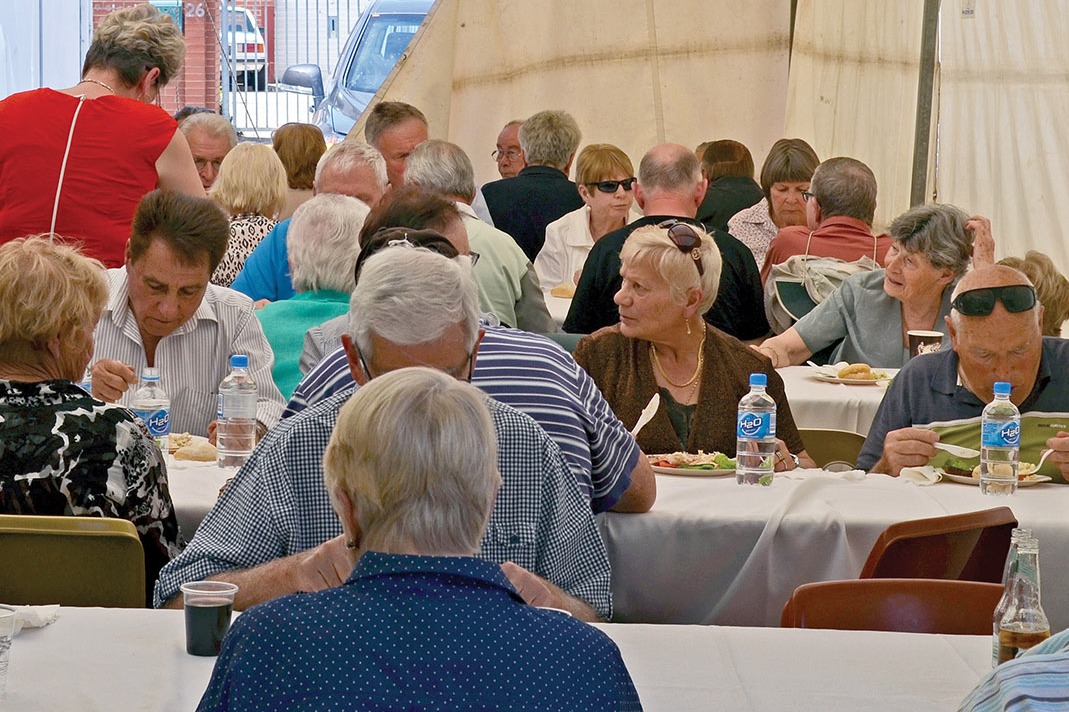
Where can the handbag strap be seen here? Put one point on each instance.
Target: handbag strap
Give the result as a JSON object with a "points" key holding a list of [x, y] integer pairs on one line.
{"points": [[63, 168]]}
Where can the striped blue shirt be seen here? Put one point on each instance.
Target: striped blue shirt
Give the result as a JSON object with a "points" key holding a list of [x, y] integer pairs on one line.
{"points": [[1037, 680], [537, 377]]}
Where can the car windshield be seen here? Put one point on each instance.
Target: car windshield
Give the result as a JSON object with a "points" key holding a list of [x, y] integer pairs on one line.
{"points": [[384, 40]]}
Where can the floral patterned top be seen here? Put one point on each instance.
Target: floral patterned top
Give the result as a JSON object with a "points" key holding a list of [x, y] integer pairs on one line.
{"points": [[64, 453], [246, 232]]}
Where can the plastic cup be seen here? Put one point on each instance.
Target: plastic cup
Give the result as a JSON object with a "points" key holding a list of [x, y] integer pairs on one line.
{"points": [[208, 606], [7, 634], [924, 342]]}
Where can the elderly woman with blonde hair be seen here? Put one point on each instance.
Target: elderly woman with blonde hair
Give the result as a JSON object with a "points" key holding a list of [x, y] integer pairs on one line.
{"points": [[662, 345], [251, 188], [411, 472], [323, 245], [76, 161], [63, 452], [1052, 288]]}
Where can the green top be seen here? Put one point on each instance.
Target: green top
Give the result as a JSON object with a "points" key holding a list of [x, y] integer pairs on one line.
{"points": [[284, 324]]}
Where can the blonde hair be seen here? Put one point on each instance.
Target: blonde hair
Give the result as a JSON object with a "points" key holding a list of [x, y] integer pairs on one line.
{"points": [[251, 179], [416, 452], [47, 290], [323, 242], [133, 40], [299, 146], [1052, 288], [601, 161], [650, 246]]}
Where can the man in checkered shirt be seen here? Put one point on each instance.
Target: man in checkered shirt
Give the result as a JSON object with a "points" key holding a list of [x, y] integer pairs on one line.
{"points": [[273, 531]]}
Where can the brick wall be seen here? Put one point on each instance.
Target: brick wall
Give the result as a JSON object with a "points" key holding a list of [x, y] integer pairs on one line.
{"points": [[198, 82]]}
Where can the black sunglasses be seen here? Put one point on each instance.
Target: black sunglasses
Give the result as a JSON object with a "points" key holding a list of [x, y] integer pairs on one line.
{"points": [[981, 302], [610, 186], [683, 236]]}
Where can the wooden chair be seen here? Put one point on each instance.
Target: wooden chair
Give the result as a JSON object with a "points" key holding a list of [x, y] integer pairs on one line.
{"points": [[73, 561], [966, 547], [902, 605], [834, 450]]}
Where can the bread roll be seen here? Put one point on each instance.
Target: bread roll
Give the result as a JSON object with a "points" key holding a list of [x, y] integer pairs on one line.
{"points": [[857, 372]]}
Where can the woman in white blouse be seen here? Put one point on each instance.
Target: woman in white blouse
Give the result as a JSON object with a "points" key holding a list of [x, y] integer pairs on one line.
{"points": [[606, 180]]}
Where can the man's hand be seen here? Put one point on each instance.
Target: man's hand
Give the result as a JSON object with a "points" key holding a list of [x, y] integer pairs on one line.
{"points": [[326, 566], [906, 447], [111, 379], [213, 432], [530, 587], [1060, 457]]}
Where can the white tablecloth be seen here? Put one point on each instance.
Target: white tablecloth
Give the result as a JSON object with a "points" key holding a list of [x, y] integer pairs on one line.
{"points": [[558, 308], [194, 488], [815, 404], [117, 659], [712, 551]]}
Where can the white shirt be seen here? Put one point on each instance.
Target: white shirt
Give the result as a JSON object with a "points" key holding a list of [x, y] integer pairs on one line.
{"points": [[195, 358], [568, 242]]}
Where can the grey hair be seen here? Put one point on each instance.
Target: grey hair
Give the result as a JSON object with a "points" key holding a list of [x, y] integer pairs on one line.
{"points": [[443, 167], [669, 168], [550, 138], [349, 154], [845, 187], [324, 241], [937, 232], [411, 296], [212, 124], [416, 452]]}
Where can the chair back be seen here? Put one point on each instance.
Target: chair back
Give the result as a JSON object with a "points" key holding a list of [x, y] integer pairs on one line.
{"points": [[900, 605], [565, 340], [966, 547], [831, 449], [72, 561]]}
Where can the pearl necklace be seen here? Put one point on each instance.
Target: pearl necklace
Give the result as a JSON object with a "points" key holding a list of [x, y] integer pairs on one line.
{"points": [[98, 83], [697, 371]]}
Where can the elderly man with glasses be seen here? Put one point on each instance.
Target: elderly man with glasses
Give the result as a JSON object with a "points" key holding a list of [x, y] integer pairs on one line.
{"points": [[995, 330]]}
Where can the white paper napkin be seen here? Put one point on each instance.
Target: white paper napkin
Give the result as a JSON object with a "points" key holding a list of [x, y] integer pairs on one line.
{"points": [[808, 473], [34, 616], [921, 476]]}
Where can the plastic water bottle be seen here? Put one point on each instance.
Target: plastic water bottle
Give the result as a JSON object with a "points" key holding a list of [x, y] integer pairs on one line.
{"points": [[755, 456], [236, 429], [1000, 443], [153, 406]]}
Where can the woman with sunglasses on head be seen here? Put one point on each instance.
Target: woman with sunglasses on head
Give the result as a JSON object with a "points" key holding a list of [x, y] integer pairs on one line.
{"points": [[663, 345], [605, 178], [76, 161], [867, 319]]}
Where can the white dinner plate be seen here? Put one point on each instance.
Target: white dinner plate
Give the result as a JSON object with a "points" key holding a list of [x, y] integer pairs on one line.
{"points": [[824, 378], [1026, 482], [690, 471], [173, 463]]}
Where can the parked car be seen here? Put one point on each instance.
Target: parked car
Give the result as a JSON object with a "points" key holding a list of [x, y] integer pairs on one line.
{"points": [[243, 44], [377, 41]]}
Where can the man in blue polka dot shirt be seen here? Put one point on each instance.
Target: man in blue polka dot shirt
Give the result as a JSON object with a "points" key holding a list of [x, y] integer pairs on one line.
{"points": [[420, 622]]}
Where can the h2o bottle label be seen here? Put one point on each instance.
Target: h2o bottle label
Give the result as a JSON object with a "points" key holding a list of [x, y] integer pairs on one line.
{"points": [[756, 426], [1004, 434], [158, 421]]}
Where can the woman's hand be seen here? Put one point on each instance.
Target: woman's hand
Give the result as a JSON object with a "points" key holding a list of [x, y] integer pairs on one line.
{"points": [[983, 242], [784, 458]]}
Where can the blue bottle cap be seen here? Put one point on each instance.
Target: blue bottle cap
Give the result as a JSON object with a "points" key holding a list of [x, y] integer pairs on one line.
{"points": [[758, 379], [1002, 388], [239, 361]]}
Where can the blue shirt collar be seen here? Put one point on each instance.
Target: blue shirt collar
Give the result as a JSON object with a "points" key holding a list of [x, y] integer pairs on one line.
{"points": [[373, 564]]}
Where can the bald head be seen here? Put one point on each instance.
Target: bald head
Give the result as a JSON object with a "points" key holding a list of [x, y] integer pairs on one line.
{"points": [[990, 276], [670, 181]]}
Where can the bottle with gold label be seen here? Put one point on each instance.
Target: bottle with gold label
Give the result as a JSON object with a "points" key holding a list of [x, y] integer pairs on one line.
{"points": [[1024, 623]]}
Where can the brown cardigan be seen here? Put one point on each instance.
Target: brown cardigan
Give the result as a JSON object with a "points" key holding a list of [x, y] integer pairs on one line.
{"points": [[623, 371]]}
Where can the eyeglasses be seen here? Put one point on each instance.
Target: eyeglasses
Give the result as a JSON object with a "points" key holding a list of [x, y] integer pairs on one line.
{"points": [[512, 154], [981, 302], [683, 236], [610, 186], [200, 163], [806, 195], [461, 373], [474, 257]]}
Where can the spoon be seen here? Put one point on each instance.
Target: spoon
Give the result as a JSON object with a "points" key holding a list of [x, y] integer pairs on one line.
{"points": [[958, 451], [647, 414]]}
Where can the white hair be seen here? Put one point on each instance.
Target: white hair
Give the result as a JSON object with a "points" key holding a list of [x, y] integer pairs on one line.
{"points": [[411, 296], [349, 154], [443, 167], [324, 241]]}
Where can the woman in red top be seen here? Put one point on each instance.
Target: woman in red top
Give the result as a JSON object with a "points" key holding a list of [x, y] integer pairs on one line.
{"points": [[121, 146]]}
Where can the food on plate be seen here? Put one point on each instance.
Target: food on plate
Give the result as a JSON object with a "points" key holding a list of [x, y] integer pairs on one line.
{"points": [[179, 440], [959, 468], [693, 461], [1024, 469], [564, 291], [858, 372], [198, 451]]}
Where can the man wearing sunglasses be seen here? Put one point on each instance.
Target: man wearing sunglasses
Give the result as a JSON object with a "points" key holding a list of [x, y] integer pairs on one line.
{"points": [[996, 334], [670, 187]]}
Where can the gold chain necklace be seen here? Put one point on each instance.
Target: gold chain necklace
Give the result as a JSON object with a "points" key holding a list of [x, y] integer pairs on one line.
{"points": [[697, 371], [98, 83]]}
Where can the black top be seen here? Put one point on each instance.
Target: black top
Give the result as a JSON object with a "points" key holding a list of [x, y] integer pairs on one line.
{"points": [[739, 308], [725, 197], [524, 205]]}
